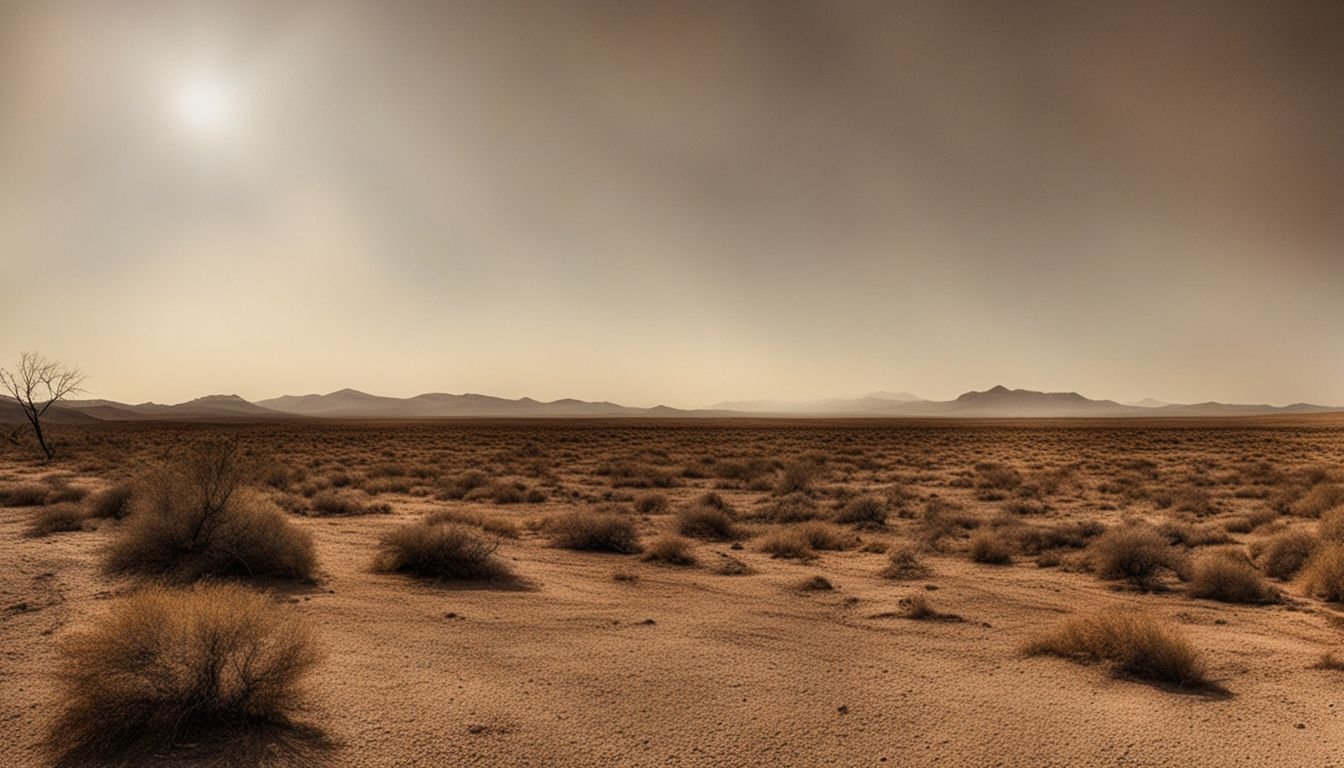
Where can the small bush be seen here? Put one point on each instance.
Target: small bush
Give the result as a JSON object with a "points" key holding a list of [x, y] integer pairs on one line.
{"points": [[864, 511], [345, 504], [826, 536], [1331, 526], [458, 487], [114, 503], [1035, 539], [1323, 573], [815, 584], [1133, 643], [651, 503], [904, 565], [991, 548], [198, 520], [708, 520], [1227, 576], [787, 544], [1192, 535], [727, 565], [1132, 552], [918, 608], [58, 518], [172, 664], [24, 495], [594, 532], [796, 477], [670, 549], [1284, 555], [442, 551]]}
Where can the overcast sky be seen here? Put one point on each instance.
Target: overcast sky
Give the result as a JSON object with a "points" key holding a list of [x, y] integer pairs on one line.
{"points": [[676, 202]]}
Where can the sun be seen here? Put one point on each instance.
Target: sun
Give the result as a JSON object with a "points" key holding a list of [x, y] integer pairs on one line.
{"points": [[204, 105]]}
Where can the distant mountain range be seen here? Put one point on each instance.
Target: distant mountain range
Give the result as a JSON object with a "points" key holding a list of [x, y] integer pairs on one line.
{"points": [[998, 402]]}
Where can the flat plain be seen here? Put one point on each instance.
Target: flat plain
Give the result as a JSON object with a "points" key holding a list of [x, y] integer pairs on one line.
{"points": [[772, 592]]}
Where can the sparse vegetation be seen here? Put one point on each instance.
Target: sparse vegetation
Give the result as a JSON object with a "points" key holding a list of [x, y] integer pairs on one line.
{"points": [[710, 517], [1132, 643], [57, 518], [1285, 554], [1323, 573], [345, 503], [864, 511], [198, 519], [670, 549], [903, 564], [1135, 553], [168, 665], [991, 548], [1227, 575], [441, 550], [113, 503], [594, 532]]}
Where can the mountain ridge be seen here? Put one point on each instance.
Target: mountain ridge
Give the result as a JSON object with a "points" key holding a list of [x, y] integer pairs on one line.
{"points": [[996, 402]]}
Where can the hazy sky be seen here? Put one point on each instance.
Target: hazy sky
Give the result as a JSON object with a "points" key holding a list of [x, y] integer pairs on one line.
{"points": [[676, 202]]}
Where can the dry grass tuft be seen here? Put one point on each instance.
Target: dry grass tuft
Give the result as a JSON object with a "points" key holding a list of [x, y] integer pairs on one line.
{"points": [[24, 495], [1227, 575], [1133, 643], [169, 665], [594, 532], [58, 518], [1323, 573], [198, 520], [816, 583], [670, 549], [441, 550], [903, 564], [651, 503], [864, 511], [114, 503]]}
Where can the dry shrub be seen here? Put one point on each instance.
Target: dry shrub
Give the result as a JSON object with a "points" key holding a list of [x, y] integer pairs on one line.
{"points": [[815, 584], [197, 520], [1132, 552], [993, 480], [594, 532], [918, 608], [1132, 643], [710, 517], [941, 520], [788, 543], [864, 511], [497, 525], [992, 548], [345, 503], [825, 536], [1283, 556], [670, 549], [1227, 575], [791, 508], [903, 564], [169, 665], [24, 495], [506, 492], [458, 487], [113, 503], [441, 550], [1323, 573], [1192, 535], [1319, 500], [58, 518], [1331, 526], [796, 477], [651, 503], [1329, 661]]}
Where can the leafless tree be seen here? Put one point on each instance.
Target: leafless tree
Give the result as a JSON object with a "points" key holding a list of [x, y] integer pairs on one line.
{"points": [[37, 383]]}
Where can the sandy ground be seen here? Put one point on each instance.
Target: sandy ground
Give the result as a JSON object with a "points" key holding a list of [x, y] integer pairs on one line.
{"points": [[731, 671], [685, 667]]}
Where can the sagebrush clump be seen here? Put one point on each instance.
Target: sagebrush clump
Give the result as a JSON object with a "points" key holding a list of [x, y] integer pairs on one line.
{"points": [[199, 519], [167, 665], [1132, 643]]}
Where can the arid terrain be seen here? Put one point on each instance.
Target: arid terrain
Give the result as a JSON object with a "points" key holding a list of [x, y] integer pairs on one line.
{"points": [[803, 593]]}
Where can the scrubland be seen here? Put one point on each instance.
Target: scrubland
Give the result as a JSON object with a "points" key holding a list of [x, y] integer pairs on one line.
{"points": [[675, 593]]}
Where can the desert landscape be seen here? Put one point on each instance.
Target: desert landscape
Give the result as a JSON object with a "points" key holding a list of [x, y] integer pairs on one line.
{"points": [[714, 592], [671, 383]]}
